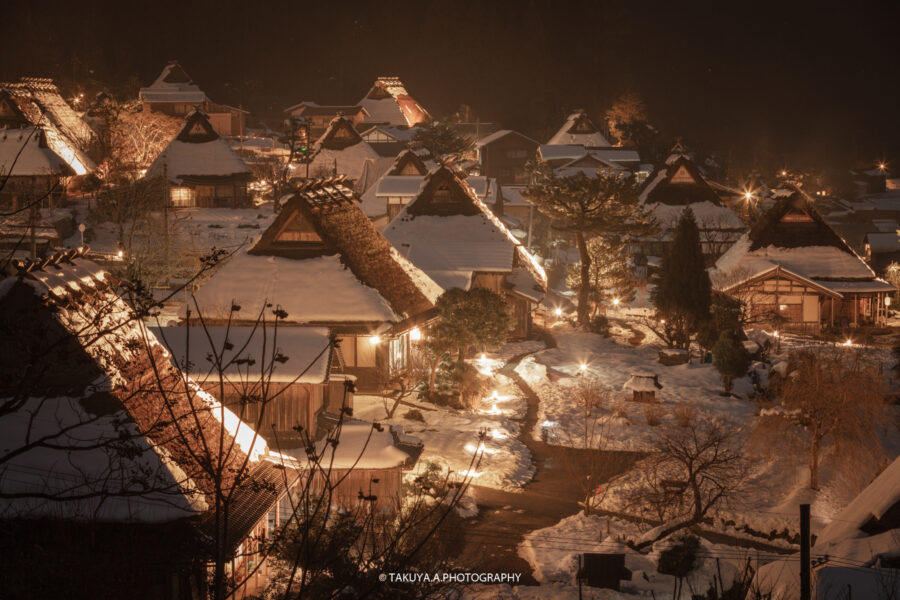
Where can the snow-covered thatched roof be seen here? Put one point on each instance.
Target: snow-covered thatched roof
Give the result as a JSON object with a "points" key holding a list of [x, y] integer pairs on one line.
{"points": [[24, 151], [342, 151], [96, 382], [580, 130], [37, 102], [793, 236], [388, 102], [449, 233], [322, 261], [173, 85], [198, 154]]}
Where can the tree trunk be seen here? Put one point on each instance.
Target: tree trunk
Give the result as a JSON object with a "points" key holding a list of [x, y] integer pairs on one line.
{"points": [[584, 288]]}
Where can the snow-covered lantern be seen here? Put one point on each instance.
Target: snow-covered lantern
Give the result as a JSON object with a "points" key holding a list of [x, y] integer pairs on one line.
{"points": [[643, 385]]}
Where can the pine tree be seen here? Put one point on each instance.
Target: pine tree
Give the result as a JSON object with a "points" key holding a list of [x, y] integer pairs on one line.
{"points": [[611, 275], [683, 292], [606, 205], [441, 141], [730, 359]]}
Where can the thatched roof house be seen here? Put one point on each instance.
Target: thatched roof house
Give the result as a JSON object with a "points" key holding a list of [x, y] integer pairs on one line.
{"points": [[387, 101], [579, 130]]}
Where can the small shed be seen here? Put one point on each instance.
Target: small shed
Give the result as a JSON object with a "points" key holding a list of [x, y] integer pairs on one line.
{"points": [[644, 386], [603, 570]]}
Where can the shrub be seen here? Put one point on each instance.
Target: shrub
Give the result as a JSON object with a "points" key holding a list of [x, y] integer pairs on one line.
{"points": [[681, 558], [414, 415], [653, 413], [600, 324]]}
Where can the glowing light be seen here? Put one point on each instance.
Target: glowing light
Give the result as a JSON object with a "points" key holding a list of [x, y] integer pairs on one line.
{"points": [[120, 254], [494, 410], [494, 396], [887, 300], [615, 301], [483, 357], [848, 343], [582, 367], [549, 424], [480, 448], [375, 340], [882, 166], [472, 474], [662, 321], [496, 434], [775, 333], [557, 311], [415, 334], [748, 196], [783, 173]]}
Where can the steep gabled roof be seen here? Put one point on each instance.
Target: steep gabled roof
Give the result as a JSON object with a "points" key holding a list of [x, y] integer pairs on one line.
{"points": [[341, 150], [408, 163], [340, 134], [73, 351], [40, 103], [793, 236], [450, 234], [579, 129], [497, 135], [173, 85], [24, 151], [199, 154], [678, 182], [387, 101], [323, 262]]}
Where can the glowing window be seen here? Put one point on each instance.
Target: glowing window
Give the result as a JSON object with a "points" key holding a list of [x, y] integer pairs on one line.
{"points": [[182, 197]]}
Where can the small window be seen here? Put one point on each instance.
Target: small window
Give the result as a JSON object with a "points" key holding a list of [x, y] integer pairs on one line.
{"points": [[299, 236], [442, 194]]}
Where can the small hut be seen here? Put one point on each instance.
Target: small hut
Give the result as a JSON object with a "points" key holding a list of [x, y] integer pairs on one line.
{"points": [[644, 386]]}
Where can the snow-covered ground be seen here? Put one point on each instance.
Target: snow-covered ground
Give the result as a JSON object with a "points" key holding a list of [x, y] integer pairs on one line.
{"points": [[452, 436], [556, 375]]}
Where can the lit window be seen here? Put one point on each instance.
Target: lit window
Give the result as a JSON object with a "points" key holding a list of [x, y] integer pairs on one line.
{"points": [[782, 307], [182, 197]]}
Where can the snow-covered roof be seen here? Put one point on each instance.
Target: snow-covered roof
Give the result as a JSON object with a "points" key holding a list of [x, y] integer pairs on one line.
{"points": [[198, 152], [306, 350], [513, 195], [40, 104], [24, 151], [569, 152], [173, 85], [793, 236], [341, 150], [484, 187], [108, 455], [857, 536], [642, 382], [362, 446], [502, 133], [400, 133], [399, 185], [451, 240], [578, 129], [314, 290], [389, 102]]}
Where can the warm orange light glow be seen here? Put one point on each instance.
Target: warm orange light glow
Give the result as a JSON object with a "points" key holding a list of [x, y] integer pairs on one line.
{"points": [[375, 340], [415, 334]]}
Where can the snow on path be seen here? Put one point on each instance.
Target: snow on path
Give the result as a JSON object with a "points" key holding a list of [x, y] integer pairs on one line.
{"points": [[451, 436]]}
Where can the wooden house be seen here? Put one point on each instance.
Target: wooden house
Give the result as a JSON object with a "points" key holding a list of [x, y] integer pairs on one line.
{"points": [[341, 151], [560, 156], [388, 102], [793, 269], [202, 169], [387, 185], [174, 93], [319, 117], [504, 154], [290, 364], [643, 386], [31, 170], [451, 235], [579, 130], [676, 185], [324, 263], [36, 102], [98, 469]]}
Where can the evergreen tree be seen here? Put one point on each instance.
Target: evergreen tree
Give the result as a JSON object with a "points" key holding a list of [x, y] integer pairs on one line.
{"points": [[606, 205], [441, 140], [610, 276], [478, 317], [683, 292], [730, 359]]}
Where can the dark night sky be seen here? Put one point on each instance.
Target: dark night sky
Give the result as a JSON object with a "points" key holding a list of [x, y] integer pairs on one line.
{"points": [[794, 82]]}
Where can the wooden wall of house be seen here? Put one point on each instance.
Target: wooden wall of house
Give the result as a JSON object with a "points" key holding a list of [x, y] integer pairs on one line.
{"points": [[505, 159], [387, 488], [292, 404]]}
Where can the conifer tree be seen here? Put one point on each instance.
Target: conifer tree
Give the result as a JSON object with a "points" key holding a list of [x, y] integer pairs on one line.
{"points": [[683, 292], [607, 205], [730, 359]]}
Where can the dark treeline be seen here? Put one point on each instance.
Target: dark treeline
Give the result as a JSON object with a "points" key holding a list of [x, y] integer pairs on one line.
{"points": [[795, 83]]}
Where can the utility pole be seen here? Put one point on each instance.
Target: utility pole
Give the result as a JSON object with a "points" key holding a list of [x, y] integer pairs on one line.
{"points": [[166, 211], [805, 588]]}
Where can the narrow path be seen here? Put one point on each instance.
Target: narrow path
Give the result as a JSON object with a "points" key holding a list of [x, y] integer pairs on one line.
{"points": [[493, 537]]}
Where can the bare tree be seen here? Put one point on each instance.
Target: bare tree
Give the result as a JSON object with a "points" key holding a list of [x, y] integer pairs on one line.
{"points": [[831, 396], [692, 471]]}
